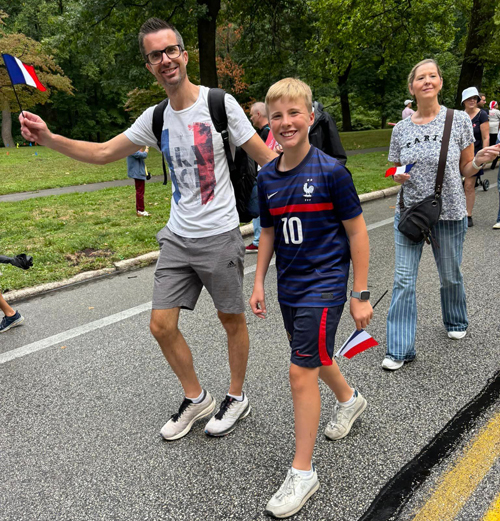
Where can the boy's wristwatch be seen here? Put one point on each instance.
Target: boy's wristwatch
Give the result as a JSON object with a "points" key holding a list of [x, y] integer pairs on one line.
{"points": [[363, 295]]}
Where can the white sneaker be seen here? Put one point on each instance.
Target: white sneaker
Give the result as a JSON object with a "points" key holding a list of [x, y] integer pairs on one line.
{"points": [[392, 365], [344, 417], [292, 494], [456, 335], [230, 412], [181, 422], [496, 226], [143, 214]]}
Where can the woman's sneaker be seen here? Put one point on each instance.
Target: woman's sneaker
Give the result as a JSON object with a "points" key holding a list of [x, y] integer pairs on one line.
{"points": [[181, 422], [344, 417], [230, 412], [293, 494], [10, 322]]}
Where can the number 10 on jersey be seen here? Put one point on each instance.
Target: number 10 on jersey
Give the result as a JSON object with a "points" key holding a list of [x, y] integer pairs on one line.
{"points": [[292, 230]]}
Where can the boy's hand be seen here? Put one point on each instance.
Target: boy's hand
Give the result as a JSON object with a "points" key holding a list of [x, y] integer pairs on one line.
{"points": [[258, 302], [362, 313]]}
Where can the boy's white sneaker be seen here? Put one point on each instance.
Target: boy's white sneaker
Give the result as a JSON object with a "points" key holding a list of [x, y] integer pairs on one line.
{"points": [[343, 418], [293, 494], [181, 422], [230, 412]]}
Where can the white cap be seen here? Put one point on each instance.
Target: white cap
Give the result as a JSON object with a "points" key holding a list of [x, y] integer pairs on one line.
{"points": [[407, 102], [469, 93]]}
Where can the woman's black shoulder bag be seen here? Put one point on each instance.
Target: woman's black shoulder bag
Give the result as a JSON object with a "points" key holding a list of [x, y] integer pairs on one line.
{"points": [[416, 221]]}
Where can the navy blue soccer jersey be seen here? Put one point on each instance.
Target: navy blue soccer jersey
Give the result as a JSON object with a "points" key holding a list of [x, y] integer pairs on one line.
{"points": [[306, 207]]}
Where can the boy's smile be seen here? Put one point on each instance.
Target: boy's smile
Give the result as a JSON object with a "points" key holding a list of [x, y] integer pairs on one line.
{"points": [[290, 121]]}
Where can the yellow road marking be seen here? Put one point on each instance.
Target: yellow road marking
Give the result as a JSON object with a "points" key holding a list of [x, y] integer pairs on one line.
{"points": [[458, 484], [493, 513]]}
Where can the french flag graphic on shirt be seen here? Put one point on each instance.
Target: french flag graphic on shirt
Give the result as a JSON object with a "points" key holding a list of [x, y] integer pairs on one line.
{"points": [[192, 166], [20, 73], [358, 342], [399, 170]]}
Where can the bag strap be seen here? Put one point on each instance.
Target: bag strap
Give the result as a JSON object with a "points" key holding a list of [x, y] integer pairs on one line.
{"points": [[442, 158], [218, 114], [444, 151], [158, 113]]}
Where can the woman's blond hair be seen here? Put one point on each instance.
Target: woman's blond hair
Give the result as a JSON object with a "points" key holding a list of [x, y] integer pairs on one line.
{"points": [[290, 88]]}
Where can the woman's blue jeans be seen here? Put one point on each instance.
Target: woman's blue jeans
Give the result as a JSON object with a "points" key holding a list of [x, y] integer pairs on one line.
{"points": [[402, 317]]}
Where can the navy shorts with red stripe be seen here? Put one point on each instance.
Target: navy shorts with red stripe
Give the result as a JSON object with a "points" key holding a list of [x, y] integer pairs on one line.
{"points": [[311, 332]]}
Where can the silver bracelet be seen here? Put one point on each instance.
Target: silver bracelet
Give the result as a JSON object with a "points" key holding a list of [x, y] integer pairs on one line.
{"points": [[475, 165]]}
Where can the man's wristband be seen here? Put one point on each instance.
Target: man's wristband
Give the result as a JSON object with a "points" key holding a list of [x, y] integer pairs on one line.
{"points": [[475, 165]]}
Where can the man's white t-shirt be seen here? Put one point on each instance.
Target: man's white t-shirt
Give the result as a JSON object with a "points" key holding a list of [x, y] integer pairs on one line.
{"points": [[203, 202]]}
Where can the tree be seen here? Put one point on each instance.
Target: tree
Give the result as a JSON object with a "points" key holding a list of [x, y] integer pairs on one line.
{"points": [[50, 74], [482, 45]]}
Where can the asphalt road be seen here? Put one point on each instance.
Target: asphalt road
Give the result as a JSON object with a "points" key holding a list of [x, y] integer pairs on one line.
{"points": [[81, 413]]}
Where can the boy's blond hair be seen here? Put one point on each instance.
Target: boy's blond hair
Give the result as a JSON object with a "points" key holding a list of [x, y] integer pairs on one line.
{"points": [[290, 88]]}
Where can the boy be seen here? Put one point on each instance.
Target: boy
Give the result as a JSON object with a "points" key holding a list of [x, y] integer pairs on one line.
{"points": [[311, 217]]}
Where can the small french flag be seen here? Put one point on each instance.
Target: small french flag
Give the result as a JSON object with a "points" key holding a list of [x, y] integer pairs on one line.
{"points": [[20, 73], [399, 170], [358, 342]]}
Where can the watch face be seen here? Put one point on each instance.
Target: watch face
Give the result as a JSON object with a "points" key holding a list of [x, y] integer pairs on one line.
{"points": [[364, 295]]}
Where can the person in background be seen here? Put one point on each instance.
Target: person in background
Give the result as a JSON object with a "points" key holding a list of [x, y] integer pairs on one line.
{"points": [[482, 101], [324, 135], [408, 111], [259, 120], [481, 128], [496, 226], [136, 170], [494, 120], [417, 140], [11, 317]]}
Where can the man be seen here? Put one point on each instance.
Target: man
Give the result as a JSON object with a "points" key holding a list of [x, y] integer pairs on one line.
{"points": [[201, 244], [323, 134], [482, 101], [259, 120]]}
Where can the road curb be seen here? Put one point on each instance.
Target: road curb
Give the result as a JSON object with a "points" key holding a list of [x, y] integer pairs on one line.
{"points": [[141, 261]]}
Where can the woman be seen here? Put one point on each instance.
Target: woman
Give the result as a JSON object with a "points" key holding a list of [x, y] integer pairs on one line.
{"points": [[481, 127], [408, 111], [417, 140], [136, 170], [494, 120]]}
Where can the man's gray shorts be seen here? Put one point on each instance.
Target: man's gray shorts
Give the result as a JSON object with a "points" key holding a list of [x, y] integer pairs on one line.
{"points": [[185, 265]]}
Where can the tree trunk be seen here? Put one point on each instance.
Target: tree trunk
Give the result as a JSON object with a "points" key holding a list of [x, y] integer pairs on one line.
{"points": [[7, 138], [344, 100], [478, 38], [207, 27]]}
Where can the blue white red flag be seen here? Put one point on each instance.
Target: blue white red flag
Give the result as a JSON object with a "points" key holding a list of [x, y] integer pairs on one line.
{"points": [[20, 73], [358, 342], [399, 170]]}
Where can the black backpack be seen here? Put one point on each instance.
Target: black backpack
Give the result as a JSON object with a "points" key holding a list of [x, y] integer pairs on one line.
{"points": [[242, 168]]}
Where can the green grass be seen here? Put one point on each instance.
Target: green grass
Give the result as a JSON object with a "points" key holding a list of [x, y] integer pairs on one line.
{"points": [[23, 171], [366, 139], [368, 172], [57, 230]]}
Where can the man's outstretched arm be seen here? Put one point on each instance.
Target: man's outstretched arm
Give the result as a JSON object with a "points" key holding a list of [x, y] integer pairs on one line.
{"points": [[33, 128]]}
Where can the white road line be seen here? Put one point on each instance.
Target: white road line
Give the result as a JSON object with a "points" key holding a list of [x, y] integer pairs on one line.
{"points": [[72, 333], [112, 319]]}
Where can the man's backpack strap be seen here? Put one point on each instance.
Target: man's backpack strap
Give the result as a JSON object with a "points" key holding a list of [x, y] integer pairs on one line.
{"points": [[218, 115], [158, 112]]}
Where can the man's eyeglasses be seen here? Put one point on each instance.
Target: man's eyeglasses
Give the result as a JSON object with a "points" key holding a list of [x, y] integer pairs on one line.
{"points": [[172, 52]]}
